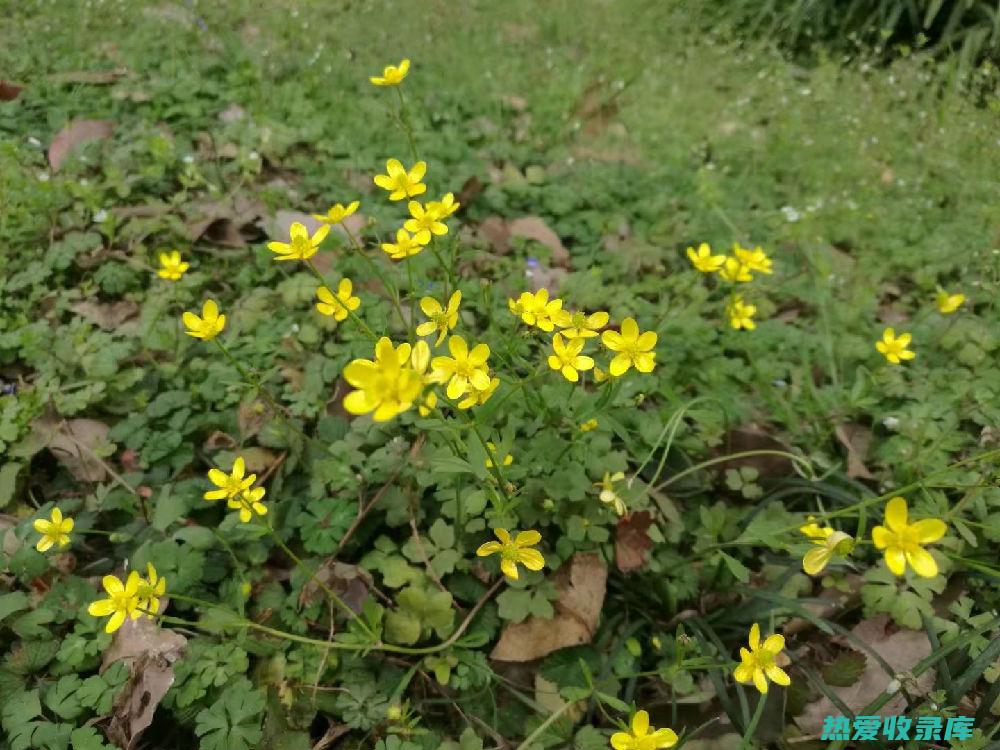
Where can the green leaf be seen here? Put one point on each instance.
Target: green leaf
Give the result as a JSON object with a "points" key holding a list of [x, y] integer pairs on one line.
{"points": [[845, 670], [233, 721], [8, 481], [87, 738], [13, 602], [738, 569], [62, 698]]}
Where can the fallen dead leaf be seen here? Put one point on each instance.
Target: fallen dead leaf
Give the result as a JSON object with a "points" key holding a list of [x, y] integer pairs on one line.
{"points": [[900, 648], [150, 653], [535, 228], [94, 77], [75, 444], [829, 601], [9, 91], [258, 460], [223, 223], [219, 440], [855, 438], [494, 232], [350, 582], [632, 542], [596, 108], [581, 584], [108, 316], [233, 113], [754, 437], [74, 134]]}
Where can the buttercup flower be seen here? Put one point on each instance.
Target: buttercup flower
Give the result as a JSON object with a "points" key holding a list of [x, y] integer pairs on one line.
{"points": [[338, 306], [567, 358], [514, 551], [633, 349], [386, 385], [392, 75], [444, 207], [579, 325], [754, 260], [149, 591], [735, 271], [249, 502], [893, 347], [758, 665], [405, 245], [400, 183], [642, 736], [121, 602], [232, 484], [464, 368], [608, 493], [829, 541], [600, 375], [208, 326], [949, 303], [54, 531], [903, 541], [420, 360], [590, 424], [442, 319], [741, 314], [424, 219], [301, 246], [171, 266], [703, 260], [537, 309], [507, 460], [478, 396], [337, 212]]}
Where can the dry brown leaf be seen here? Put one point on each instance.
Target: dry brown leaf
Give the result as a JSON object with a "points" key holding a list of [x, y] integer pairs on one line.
{"points": [[535, 228], [258, 460], [75, 444], [901, 649], [108, 316], [632, 541], [350, 582], [224, 223], [9, 91], [754, 437], [855, 438], [580, 584], [493, 230], [150, 653], [76, 133], [233, 113], [829, 601]]}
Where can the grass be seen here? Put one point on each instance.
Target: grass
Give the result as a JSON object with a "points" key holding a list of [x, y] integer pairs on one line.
{"points": [[634, 131]]}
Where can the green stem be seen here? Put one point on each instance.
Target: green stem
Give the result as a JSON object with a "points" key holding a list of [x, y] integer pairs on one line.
{"points": [[732, 457], [404, 121], [390, 287], [754, 721], [553, 718], [353, 316]]}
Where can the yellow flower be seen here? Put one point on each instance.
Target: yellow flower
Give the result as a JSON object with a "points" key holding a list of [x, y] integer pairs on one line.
{"points": [[757, 664], [537, 309], [463, 369], [54, 531], [632, 348], [149, 591], [402, 183], [208, 326], [171, 266], [420, 359], [442, 319], [642, 736], [338, 306], [903, 541], [754, 260], [894, 347], [514, 551], [386, 385], [567, 358], [600, 375], [232, 484], [392, 75], [590, 424], [478, 396], [735, 271], [405, 245], [337, 212], [249, 502], [703, 260], [424, 219], [444, 207], [949, 303], [830, 542], [301, 246], [741, 314], [507, 460], [121, 602], [579, 325], [609, 495]]}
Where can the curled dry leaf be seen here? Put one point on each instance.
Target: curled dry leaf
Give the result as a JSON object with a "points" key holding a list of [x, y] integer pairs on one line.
{"points": [[581, 584], [93, 77], [754, 437], [76, 444], [150, 653], [230, 224], [535, 228], [9, 91], [110, 316], [350, 582], [632, 542], [76, 133]]}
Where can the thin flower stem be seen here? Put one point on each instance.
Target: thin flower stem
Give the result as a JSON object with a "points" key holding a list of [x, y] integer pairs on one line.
{"points": [[413, 298], [390, 287], [449, 282], [404, 121], [553, 717], [754, 721]]}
